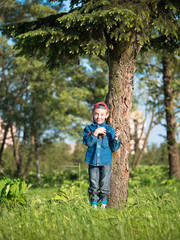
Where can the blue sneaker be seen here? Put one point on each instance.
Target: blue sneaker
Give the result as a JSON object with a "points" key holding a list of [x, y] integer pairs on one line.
{"points": [[94, 204], [103, 204]]}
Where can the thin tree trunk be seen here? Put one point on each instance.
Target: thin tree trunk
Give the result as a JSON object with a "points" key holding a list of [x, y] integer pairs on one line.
{"points": [[17, 159], [136, 142], [37, 161], [119, 100], [3, 65], [173, 155], [2, 81], [146, 138], [3, 142], [29, 158]]}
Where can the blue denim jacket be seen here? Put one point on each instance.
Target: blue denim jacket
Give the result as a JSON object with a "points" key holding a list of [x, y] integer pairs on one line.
{"points": [[100, 150]]}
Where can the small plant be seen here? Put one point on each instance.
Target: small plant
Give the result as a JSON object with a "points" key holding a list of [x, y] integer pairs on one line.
{"points": [[12, 191]]}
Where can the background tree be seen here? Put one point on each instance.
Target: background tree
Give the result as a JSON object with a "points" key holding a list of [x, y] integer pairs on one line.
{"points": [[115, 31], [4, 63], [13, 11], [171, 125], [155, 72], [11, 91], [30, 106], [149, 91], [44, 104]]}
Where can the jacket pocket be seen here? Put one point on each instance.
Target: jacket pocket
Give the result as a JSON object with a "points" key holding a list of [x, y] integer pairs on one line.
{"points": [[105, 141]]}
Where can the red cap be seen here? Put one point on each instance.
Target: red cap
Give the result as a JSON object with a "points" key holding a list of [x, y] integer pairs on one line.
{"points": [[100, 105]]}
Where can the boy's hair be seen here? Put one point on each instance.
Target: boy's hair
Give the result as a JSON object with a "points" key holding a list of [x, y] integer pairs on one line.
{"points": [[100, 105]]}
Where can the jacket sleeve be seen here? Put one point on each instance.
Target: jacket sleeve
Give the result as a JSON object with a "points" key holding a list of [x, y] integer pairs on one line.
{"points": [[89, 139], [114, 144]]}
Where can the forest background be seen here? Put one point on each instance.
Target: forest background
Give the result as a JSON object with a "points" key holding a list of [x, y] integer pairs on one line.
{"points": [[44, 110]]}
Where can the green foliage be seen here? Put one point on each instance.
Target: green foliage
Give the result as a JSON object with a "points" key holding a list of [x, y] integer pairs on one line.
{"points": [[148, 175], [48, 104], [141, 176], [79, 153], [12, 11], [12, 191], [150, 80], [54, 155], [57, 155], [155, 155], [94, 27], [56, 178], [67, 193]]}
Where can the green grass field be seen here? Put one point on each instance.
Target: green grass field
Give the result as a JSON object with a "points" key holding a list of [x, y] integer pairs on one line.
{"points": [[152, 212]]}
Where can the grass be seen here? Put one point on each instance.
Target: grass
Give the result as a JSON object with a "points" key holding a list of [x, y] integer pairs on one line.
{"points": [[151, 213]]}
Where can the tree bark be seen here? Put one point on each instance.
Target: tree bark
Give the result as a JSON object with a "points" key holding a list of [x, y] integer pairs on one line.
{"points": [[17, 158], [173, 156], [37, 160], [3, 141], [29, 158], [119, 100]]}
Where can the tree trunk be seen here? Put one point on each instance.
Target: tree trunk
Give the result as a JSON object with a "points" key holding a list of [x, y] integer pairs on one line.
{"points": [[136, 143], [173, 155], [119, 100], [29, 158], [146, 138], [3, 141], [17, 158], [37, 161]]}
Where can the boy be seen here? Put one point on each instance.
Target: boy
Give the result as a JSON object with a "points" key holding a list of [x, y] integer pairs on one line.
{"points": [[101, 140]]}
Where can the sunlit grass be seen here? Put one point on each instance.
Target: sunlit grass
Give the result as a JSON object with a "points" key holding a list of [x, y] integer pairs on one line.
{"points": [[147, 216], [152, 212]]}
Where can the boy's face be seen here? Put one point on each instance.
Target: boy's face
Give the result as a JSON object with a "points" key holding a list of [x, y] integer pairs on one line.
{"points": [[100, 115]]}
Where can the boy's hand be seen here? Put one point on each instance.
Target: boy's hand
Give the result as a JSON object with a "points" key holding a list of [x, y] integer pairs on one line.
{"points": [[100, 130], [117, 133]]}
